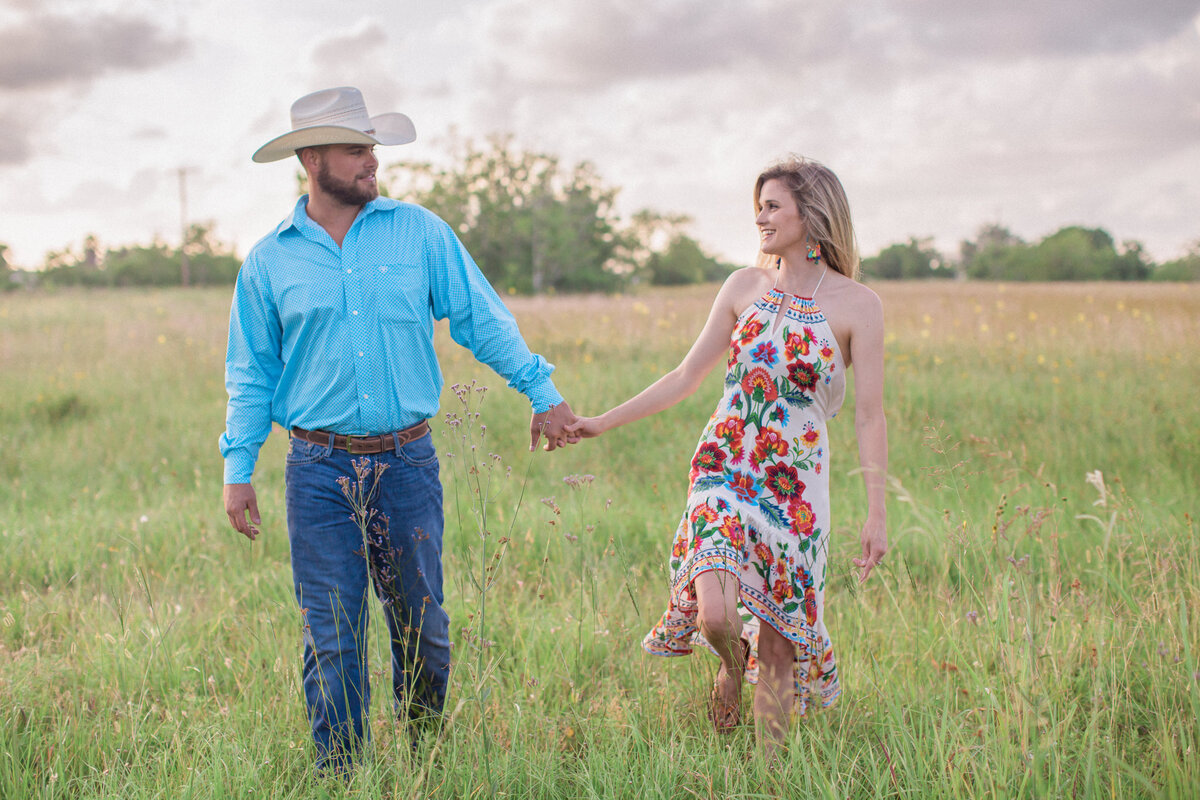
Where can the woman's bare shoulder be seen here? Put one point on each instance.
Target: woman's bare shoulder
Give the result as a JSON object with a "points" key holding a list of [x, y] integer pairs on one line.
{"points": [[744, 286]]}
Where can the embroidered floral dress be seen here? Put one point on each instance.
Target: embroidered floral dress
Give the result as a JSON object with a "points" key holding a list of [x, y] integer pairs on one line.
{"points": [[758, 502]]}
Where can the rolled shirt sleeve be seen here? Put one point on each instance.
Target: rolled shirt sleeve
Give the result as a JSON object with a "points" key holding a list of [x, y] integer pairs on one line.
{"points": [[479, 320]]}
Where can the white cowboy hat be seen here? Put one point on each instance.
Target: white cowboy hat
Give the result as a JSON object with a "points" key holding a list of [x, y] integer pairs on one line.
{"points": [[336, 116]]}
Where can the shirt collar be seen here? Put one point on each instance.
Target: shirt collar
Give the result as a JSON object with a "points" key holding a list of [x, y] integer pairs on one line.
{"points": [[299, 218]]}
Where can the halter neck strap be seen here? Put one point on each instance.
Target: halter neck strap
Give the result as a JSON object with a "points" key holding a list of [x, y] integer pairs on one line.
{"points": [[818, 286]]}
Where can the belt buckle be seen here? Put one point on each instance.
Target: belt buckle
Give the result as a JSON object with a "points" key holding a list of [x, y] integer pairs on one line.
{"points": [[355, 442]]}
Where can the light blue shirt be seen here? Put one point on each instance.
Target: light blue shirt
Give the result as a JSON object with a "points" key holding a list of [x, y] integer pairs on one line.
{"points": [[341, 338]]}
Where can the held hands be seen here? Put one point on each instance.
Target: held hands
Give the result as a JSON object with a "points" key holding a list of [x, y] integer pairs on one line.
{"points": [[586, 427], [241, 501], [552, 425], [874, 545]]}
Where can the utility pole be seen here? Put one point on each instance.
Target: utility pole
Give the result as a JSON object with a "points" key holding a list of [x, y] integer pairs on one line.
{"points": [[184, 269]]}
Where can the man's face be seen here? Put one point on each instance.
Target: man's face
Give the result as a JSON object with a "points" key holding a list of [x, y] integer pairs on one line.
{"points": [[346, 172]]}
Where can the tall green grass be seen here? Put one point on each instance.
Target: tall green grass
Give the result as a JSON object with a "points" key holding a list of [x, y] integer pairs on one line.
{"points": [[1032, 632]]}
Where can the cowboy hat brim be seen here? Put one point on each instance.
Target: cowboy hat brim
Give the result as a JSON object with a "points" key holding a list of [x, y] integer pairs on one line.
{"points": [[388, 129]]}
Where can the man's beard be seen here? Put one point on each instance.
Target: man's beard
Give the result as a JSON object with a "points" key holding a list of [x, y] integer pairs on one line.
{"points": [[346, 192]]}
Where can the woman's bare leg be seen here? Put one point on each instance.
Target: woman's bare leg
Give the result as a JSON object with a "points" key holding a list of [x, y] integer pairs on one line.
{"points": [[774, 696], [717, 595]]}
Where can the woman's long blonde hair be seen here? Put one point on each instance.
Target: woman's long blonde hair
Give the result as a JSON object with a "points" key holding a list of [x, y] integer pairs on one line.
{"points": [[823, 207]]}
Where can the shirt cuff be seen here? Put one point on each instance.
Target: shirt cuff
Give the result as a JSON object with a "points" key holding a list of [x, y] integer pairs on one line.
{"points": [[543, 396], [239, 467]]}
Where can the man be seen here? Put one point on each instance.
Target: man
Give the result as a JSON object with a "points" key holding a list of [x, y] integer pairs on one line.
{"points": [[331, 336]]}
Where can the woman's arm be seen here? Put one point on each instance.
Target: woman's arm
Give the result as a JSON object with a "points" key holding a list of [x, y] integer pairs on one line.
{"points": [[866, 345], [706, 352]]}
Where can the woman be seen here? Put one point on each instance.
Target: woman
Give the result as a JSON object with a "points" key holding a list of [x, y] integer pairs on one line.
{"points": [[749, 558]]}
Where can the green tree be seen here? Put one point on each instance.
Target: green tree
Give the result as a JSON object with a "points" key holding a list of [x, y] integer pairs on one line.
{"points": [[992, 254], [1186, 268], [531, 224], [916, 258], [663, 254], [156, 264], [5, 270], [1076, 253], [683, 261]]}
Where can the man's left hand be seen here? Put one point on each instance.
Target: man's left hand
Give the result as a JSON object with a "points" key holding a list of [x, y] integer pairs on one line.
{"points": [[550, 425]]}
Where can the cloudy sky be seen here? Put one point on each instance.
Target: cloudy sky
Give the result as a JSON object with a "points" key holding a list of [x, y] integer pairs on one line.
{"points": [[938, 115]]}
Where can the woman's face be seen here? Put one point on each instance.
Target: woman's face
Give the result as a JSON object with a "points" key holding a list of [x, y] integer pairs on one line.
{"points": [[780, 228]]}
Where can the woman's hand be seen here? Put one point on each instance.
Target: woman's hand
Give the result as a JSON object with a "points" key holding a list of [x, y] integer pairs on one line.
{"points": [[585, 427], [874, 545]]}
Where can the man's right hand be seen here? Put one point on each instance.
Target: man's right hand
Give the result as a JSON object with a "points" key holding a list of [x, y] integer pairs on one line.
{"points": [[241, 501]]}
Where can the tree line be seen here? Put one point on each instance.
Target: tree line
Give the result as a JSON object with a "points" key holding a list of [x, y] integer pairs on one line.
{"points": [[534, 224], [1073, 253]]}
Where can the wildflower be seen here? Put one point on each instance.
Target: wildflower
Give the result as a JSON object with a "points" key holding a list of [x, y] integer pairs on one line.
{"points": [[972, 616], [576, 481]]}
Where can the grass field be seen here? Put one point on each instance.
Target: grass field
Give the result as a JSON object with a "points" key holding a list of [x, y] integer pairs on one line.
{"points": [[1034, 631]]}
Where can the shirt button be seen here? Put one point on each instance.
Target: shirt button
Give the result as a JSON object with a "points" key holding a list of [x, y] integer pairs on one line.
{"points": [[364, 397], [355, 313], [349, 271], [360, 355]]}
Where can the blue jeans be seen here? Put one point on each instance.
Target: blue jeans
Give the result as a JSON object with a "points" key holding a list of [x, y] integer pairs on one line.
{"points": [[331, 575]]}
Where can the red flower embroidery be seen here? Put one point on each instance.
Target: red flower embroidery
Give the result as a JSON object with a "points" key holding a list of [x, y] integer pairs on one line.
{"points": [[810, 436], [680, 548], [827, 353], [803, 374], [704, 510], [784, 482], [731, 431], [750, 330], [744, 486], [810, 605], [795, 346], [764, 553], [802, 517], [781, 590], [710, 458], [732, 529], [769, 442], [759, 386]]}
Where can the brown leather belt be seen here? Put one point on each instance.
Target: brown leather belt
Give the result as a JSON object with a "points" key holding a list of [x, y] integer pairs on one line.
{"points": [[364, 445]]}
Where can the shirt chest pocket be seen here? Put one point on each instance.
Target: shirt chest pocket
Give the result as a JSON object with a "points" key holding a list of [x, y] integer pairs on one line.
{"points": [[401, 292]]}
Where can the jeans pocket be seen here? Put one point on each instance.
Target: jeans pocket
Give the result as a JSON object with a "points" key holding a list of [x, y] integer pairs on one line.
{"points": [[301, 452], [419, 452]]}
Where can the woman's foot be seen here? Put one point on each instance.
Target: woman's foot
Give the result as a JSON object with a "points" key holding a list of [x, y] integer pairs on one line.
{"points": [[725, 702]]}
